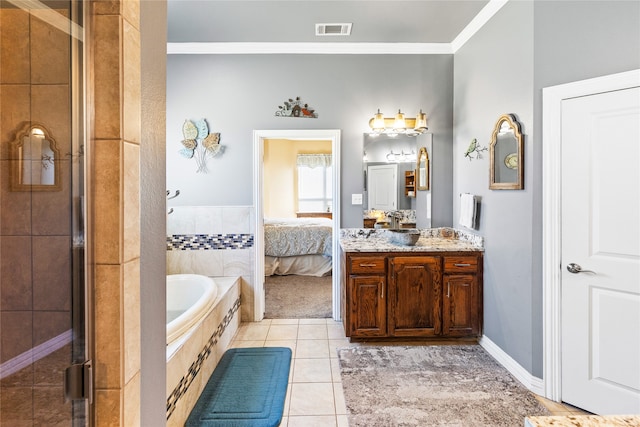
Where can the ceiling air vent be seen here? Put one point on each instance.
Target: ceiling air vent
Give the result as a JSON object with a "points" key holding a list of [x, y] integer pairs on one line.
{"points": [[333, 29]]}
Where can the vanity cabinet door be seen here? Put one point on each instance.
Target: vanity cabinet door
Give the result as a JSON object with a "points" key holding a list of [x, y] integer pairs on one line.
{"points": [[415, 296], [460, 307], [367, 306]]}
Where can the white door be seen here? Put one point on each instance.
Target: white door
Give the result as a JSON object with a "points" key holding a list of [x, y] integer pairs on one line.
{"points": [[382, 188], [601, 232]]}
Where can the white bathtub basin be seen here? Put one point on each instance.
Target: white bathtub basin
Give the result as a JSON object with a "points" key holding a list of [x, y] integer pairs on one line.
{"points": [[189, 298]]}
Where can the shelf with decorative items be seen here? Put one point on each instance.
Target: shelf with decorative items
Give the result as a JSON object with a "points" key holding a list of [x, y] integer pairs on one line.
{"points": [[410, 183]]}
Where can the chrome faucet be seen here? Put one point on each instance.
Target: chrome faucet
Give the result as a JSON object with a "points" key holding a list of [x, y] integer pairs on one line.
{"points": [[394, 218]]}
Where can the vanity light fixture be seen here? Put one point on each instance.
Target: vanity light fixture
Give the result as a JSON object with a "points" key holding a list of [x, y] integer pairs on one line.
{"points": [[401, 157], [399, 124], [37, 132]]}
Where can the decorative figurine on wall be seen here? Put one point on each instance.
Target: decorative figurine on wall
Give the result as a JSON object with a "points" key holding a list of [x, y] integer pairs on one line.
{"points": [[294, 108], [199, 143], [474, 147]]}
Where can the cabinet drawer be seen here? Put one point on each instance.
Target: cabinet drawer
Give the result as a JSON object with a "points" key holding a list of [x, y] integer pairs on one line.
{"points": [[467, 264], [360, 265]]}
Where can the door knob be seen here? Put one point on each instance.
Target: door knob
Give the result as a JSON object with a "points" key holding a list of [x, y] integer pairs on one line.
{"points": [[575, 269]]}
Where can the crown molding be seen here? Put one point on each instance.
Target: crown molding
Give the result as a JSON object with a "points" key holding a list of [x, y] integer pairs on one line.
{"points": [[476, 23], [310, 48], [487, 12]]}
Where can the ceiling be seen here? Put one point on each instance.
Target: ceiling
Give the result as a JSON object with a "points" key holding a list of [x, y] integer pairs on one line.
{"points": [[289, 21]]}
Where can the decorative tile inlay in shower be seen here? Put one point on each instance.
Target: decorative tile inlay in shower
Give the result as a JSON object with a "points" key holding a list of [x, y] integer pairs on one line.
{"points": [[197, 242]]}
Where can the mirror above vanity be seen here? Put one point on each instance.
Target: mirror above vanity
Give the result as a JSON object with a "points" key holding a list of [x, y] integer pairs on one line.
{"points": [[389, 175]]}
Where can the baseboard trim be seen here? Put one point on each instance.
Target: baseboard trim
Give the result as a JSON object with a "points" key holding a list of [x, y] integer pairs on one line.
{"points": [[534, 384]]}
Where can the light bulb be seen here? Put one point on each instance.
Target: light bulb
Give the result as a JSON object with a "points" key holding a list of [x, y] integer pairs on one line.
{"points": [[421, 122], [378, 122], [399, 124]]}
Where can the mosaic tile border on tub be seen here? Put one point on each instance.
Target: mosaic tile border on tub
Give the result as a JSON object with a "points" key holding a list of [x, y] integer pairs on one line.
{"points": [[184, 383], [200, 242]]}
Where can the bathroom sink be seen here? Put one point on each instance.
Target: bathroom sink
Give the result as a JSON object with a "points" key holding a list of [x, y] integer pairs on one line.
{"points": [[404, 236]]}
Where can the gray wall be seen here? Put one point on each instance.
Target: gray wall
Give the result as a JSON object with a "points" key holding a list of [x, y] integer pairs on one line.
{"points": [[527, 46], [493, 75], [574, 40], [240, 93], [152, 215], [502, 69]]}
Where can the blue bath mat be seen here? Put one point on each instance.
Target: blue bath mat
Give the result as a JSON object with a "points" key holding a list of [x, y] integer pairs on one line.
{"points": [[246, 389]]}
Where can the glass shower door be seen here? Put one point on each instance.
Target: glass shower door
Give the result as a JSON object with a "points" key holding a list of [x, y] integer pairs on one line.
{"points": [[42, 244]]}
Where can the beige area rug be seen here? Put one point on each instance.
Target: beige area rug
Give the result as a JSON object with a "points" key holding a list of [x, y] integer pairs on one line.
{"points": [[449, 385], [297, 297]]}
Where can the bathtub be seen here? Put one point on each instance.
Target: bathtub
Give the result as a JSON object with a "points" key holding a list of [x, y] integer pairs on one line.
{"points": [[190, 297], [203, 316]]}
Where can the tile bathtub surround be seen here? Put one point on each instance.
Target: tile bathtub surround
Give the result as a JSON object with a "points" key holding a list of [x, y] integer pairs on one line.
{"points": [[184, 242], [209, 219], [191, 362], [213, 241]]}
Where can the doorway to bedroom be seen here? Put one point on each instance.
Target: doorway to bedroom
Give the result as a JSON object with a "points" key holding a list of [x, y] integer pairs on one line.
{"points": [[296, 199]]}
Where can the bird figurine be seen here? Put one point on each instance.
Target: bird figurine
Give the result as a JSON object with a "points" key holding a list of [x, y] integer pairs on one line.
{"points": [[307, 112], [474, 147]]}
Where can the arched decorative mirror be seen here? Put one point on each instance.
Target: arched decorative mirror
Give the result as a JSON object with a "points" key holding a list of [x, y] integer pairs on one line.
{"points": [[506, 155], [422, 170], [35, 160]]}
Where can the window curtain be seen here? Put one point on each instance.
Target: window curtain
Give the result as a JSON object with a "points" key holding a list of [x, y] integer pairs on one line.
{"points": [[314, 160]]}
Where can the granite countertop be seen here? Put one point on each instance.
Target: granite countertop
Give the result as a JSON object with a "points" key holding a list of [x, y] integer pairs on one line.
{"points": [[431, 240], [584, 421]]}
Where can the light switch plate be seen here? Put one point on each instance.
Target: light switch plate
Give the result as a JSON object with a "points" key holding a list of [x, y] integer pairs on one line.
{"points": [[356, 199]]}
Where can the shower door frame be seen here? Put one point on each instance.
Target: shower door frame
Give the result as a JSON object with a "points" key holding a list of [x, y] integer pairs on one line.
{"points": [[75, 25], [82, 299]]}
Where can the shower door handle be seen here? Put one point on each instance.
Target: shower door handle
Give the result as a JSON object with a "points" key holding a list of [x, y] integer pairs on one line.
{"points": [[78, 381]]}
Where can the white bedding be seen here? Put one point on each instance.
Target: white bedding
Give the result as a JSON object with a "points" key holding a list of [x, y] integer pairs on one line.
{"points": [[297, 236], [299, 246], [302, 265]]}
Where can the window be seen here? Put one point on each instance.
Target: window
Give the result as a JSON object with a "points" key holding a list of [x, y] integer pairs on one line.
{"points": [[314, 183]]}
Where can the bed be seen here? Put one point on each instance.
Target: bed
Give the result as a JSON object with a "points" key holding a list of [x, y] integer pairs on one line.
{"points": [[301, 246]]}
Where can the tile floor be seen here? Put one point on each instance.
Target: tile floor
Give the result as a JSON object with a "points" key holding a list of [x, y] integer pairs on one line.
{"points": [[314, 396]]}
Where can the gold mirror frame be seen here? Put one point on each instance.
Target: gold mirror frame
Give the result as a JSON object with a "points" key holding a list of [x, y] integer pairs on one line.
{"points": [[422, 170], [501, 164], [18, 160]]}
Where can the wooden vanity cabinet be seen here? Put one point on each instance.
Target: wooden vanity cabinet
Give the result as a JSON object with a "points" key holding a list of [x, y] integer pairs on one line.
{"points": [[461, 307], [365, 304], [415, 284], [400, 295]]}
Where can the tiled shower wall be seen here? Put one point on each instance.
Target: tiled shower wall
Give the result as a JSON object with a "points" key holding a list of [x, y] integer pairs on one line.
{"points": [[115, 208], [213, 241], [35, 290]]}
